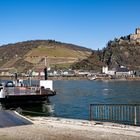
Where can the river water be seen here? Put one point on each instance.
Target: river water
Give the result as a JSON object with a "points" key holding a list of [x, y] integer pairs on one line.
{"points": [[74, 97]]}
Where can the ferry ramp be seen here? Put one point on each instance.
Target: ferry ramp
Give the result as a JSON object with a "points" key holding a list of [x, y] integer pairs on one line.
{"points": [[10, 118]]}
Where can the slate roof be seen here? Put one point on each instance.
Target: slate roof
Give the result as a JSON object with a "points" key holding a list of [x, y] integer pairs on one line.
{"points": [[122, 70]]}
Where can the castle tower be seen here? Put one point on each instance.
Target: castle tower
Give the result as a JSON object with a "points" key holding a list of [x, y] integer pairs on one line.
{"points": [[137, 30], [135, 36]]}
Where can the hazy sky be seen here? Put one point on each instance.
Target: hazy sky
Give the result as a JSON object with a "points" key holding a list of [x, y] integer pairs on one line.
{"points": [[89, 23]]}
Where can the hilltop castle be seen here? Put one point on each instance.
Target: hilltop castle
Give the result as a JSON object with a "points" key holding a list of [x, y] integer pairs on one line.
{"points": [[135, 36]]}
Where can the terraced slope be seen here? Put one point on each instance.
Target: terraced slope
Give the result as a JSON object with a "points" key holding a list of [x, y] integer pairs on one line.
{"points": [[33, 53]]}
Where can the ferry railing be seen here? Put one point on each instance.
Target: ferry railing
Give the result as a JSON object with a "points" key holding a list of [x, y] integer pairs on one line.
{"points": [[22, 90], [117, 113]]}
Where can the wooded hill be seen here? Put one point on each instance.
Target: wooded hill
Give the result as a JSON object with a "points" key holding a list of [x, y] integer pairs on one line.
{"points": [[119, 52]]}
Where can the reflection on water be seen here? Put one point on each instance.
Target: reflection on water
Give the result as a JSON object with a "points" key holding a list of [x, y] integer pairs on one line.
{"points": [[32, 109], [40, 110], [44, 109]]}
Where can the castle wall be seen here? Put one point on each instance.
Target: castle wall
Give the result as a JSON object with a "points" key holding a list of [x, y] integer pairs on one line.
{"points": [[135, 36], [138, 31]]}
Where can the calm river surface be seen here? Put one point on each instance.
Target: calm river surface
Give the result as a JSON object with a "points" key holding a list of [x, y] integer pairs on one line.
{"points": [[73, 97]]}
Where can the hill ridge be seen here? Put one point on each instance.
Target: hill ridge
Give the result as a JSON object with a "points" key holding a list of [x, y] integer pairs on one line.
{"points": [[31, 52]]}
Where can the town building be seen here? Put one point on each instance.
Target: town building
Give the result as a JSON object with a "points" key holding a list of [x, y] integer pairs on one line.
{"points": [[123, 71], [83, 73], [137, 73], [105, 70]]}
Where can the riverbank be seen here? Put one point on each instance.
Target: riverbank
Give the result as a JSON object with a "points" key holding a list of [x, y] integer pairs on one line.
{"points": [[51, 128], [73, 78]]}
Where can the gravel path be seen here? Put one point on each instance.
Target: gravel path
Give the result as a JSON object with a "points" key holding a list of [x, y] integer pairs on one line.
{"points": [[68, 129]]}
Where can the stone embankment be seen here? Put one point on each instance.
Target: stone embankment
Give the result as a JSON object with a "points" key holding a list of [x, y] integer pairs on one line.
{"points": [[49, 128]]}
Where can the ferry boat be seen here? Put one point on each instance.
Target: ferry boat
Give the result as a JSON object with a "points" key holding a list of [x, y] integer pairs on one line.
{"points": [[16, 92]]}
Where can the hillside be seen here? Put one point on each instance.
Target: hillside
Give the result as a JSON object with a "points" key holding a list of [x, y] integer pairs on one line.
{"points": [[119, 52], [27, 55], [93, 62], [122, 53], [31, 54]]}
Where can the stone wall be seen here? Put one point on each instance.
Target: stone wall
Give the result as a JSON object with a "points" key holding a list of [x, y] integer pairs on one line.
{"points": [[135, 36]]}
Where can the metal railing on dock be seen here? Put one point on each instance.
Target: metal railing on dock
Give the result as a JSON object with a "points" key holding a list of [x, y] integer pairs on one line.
{"points": [[117, 113]]}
